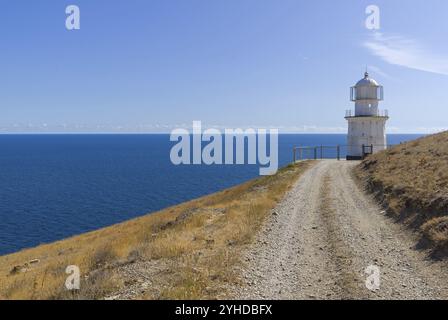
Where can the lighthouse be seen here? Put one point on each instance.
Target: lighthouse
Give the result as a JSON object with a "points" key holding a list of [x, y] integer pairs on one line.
{"points": [[367, 124]]}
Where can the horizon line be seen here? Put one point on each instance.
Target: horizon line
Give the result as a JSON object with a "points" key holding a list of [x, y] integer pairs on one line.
{"points": [[168, 133]]}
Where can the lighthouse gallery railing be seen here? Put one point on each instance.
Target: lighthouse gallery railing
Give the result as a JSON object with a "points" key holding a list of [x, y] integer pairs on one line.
{"points": [[379, 113]]}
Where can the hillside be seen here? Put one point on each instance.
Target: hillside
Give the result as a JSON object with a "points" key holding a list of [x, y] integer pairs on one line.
{"points": [[188, 251], [411, 181]]}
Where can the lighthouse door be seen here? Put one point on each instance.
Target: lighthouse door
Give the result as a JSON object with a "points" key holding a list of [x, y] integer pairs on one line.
{"points": [[366, 150]]}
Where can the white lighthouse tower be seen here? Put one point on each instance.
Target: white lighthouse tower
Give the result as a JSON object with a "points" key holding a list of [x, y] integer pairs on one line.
{"points": [[367, 125]]}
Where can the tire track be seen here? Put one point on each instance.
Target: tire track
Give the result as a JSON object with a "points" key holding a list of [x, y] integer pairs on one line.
{"points": [[340, 254]]}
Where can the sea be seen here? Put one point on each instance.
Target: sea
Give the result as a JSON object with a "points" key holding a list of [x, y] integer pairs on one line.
{"points": [[55, 186]]}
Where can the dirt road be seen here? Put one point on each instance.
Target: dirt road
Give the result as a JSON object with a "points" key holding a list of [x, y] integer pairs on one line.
{"points": [[322, 237]]}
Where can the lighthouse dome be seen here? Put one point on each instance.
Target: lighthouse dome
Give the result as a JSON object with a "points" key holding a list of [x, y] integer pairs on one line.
{"points": [[367, 81], [366, 89]]}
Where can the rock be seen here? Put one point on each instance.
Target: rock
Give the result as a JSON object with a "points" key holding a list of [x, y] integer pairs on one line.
{"points": [[214, 277], [18, 269], [275, 213]]}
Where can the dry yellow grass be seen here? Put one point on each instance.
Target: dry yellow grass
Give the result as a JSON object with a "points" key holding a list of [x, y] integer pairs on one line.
{"points": [[200, 240], [411, 180]]}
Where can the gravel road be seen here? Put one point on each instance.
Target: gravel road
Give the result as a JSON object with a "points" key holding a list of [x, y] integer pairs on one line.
{"points": [[321, 238]]}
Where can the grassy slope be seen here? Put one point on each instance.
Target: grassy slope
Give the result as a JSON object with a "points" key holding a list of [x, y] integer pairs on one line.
{"points": [[411, 180], [200, 239]]}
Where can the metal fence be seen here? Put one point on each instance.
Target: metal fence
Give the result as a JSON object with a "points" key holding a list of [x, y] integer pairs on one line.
{"points": [[330, 152]]}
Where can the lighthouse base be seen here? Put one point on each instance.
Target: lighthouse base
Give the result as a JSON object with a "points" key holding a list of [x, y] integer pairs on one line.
{"points": [[366, 135]]}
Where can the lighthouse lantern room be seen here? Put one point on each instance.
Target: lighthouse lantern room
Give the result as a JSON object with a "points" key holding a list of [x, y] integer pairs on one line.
{"points": [[367, 125]]}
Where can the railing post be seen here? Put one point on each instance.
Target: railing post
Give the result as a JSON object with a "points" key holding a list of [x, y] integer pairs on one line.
{"points": [[300, 154], [315, 153], [321, 152], [338, 151], [294, 155]]}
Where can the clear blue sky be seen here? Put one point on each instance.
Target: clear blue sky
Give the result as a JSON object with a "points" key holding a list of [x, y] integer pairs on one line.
{"points": [[141, 65]]}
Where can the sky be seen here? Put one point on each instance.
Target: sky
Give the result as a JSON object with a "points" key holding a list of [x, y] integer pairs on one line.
{"points": [[152, 66]]}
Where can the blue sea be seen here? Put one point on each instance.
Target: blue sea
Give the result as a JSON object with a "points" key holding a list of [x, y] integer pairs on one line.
{"points": [[56, 186]]}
